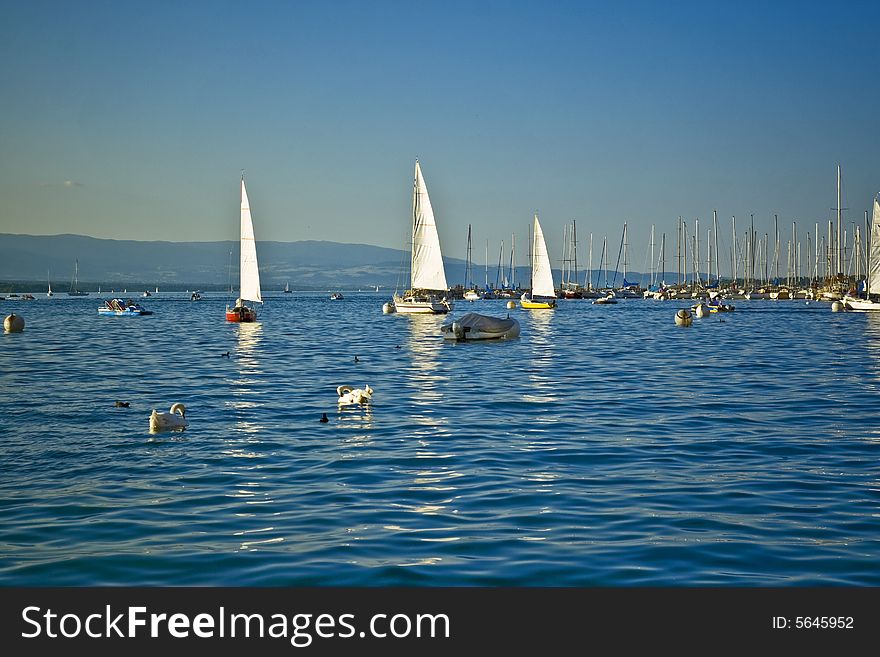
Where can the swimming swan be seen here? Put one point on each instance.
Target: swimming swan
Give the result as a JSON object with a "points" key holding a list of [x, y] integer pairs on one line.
{"points": [[174, 419], [349, 396]]}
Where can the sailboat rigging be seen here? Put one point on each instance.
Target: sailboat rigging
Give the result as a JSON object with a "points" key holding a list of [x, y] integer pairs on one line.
{"points": [[249, 273], [872, 282], [542, 294], [74, 284], [427, 275]]}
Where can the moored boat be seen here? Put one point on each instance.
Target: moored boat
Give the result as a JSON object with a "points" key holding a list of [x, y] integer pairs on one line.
{"points": [[871, 301], [474, 326]]}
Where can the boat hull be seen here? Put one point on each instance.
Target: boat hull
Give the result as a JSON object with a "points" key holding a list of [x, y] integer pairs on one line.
{"points": [[474, 326], [537, 305], [241, 314], [852, 303], [421, 306]]}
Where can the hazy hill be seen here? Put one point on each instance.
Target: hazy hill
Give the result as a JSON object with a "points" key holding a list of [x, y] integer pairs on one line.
{"points": [[206, 265], [307, 264]]}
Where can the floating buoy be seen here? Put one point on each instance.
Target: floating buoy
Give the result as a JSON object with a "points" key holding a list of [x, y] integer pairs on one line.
{"points": [[13, 324], [701, 310], [683, 318], [836, 307], [511, 305], [388, 308]]}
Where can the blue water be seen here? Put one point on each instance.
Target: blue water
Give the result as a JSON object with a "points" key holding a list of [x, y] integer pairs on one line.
{"points": [[605, 446]]}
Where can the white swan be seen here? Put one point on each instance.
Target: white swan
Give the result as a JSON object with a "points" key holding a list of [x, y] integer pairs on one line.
{"points": [[175, 418], [349, 396]]}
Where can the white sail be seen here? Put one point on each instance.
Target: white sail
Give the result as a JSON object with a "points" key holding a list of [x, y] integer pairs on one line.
{"points": [[542, 275], [874, 256], [426, 271], [250, 274]]}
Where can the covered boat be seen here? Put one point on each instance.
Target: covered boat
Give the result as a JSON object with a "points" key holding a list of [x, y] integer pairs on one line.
{"points": [[121, 308], [474, 326]]}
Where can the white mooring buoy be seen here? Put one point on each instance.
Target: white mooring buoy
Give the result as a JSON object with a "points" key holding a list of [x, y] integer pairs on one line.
{"points": [[683, 318], [13, 324]]}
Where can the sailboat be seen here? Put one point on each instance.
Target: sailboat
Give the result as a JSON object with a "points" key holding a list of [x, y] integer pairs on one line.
{"points": [[543, 292], [287, 287], [471, 293], [249, 282], [872, 281], [427, 276], [49, 293], [74, 285]]}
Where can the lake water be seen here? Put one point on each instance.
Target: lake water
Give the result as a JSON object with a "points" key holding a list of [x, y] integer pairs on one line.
{"points": [[605, 446]]}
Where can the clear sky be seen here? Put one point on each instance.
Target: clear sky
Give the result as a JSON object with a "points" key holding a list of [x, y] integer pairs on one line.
{"points": [[133, 120]]}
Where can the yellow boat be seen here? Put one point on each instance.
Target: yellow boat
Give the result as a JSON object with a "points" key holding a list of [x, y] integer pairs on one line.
{"points": [[543, 293], [530, 304]]}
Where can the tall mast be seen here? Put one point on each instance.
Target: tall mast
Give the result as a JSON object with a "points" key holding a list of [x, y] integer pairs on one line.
{"points": [[590, 272], [574, 246], [498, 269], [487, 264], [651, 284], [717, 259], [468, 269], [752, 250], [663, 256], [708, 256], [512, 262], [678, 252], [733, 266], [604, 260], [766, 259], [829, 250], [697, 275], [563, 283], [776, 249], [531, 255], [839, 245]]}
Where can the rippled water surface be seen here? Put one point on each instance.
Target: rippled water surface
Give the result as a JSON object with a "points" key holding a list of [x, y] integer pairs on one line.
{"points": [[605, 446]]}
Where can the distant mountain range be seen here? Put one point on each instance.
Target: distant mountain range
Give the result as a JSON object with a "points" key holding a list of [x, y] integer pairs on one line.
{"points": [[202, 265], [306, 265]]}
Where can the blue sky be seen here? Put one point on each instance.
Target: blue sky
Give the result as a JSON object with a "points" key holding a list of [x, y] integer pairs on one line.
{"points": [[134, 120]]}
